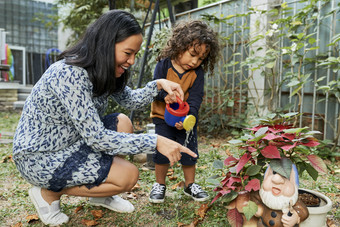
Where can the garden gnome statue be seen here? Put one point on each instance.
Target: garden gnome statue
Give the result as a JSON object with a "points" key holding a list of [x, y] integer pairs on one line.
{"points": [[277, 200]]}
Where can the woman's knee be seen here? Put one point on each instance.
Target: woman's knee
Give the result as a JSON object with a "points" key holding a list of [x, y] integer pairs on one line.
{"points": [[123, 174], [124, 124]]}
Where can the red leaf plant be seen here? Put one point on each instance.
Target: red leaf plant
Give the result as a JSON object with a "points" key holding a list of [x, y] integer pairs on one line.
{"points": [[272, 139]]}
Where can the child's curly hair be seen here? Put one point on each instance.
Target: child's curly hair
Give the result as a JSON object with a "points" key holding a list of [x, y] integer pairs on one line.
{"points": [[184, 34]]}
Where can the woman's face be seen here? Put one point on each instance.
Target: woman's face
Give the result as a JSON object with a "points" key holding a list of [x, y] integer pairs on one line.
{"points": [[125, 53]]}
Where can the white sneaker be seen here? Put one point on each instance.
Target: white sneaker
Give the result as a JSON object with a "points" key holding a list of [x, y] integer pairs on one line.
{"points": [[114, 203], [48, 214]]}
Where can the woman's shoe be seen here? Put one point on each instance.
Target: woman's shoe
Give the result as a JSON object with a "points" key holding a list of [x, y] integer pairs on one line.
{"points": [[114, 203], [48, 214]]}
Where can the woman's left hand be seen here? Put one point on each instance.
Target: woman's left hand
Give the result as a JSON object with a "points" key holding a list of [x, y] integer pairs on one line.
{"points": [[173, 89]]}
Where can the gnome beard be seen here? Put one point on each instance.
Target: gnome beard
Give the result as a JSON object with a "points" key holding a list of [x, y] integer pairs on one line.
{"points": [[278, 202]]}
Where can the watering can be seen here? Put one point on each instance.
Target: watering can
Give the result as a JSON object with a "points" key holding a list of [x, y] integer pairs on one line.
{"points": [[176, 112]]}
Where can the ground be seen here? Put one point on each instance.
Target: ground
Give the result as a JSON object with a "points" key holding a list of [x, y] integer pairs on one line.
{"points": [[178, 209]]}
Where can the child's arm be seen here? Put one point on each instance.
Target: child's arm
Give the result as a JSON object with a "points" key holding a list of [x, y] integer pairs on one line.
{"points": [[196, 93]]}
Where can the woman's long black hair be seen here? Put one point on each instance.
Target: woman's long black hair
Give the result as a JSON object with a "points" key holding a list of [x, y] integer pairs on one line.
{"points": [[95, 52]]}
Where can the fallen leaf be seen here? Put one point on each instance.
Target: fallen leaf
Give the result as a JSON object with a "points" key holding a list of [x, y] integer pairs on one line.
{"points": [[180, 224], [19, 224], [89, 222], [169, 173], [178, 185], [78, 209], [136, 187], [202, 167], [32, 218], [215, 145], [131, 195], [330, 223], [202, 211], [228, 152], [6, 159], [173, 178], [97, 214]]}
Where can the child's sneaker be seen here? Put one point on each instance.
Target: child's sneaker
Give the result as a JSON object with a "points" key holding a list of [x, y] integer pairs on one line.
{"points": [[157, 193], [196, 192]]}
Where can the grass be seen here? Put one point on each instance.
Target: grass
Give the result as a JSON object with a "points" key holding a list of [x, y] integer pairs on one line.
{"points": [[178, 210]]}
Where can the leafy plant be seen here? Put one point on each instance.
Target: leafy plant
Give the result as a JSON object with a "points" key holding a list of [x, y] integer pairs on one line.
{"points": [[275, 142]]}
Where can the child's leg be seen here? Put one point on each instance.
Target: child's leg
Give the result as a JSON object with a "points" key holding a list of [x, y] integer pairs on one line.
{"points": [[189, 174], [160, 171]]}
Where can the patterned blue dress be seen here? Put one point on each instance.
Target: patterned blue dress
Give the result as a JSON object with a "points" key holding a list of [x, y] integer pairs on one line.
{"points": [[62, 140]]}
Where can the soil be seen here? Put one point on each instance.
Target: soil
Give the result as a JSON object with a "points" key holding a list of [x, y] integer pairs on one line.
{"points": [[309, 200]]}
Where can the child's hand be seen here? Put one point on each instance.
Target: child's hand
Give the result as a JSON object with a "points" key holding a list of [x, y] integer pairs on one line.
{"points": [[168, 100], [179, 125]]}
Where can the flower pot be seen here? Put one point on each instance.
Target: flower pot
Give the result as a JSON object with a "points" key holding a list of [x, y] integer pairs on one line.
{"points": [[317, 215]]}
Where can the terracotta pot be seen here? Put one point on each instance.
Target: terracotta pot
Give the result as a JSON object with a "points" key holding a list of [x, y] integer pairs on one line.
{"points": [[317, 215]]}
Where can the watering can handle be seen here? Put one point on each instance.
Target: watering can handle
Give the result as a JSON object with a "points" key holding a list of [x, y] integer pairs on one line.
{"points": [[180, 103]]}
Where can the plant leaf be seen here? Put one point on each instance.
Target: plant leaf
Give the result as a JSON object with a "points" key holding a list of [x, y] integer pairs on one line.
{"points": [[230, 161], [311, 171], [271, 152], [218, 164], [253, 184], [288, 147], [249, 210], [282, 166], [235, 219], [311, 143], [253, 170], [317, 163], [261, 131], [244, 159]]}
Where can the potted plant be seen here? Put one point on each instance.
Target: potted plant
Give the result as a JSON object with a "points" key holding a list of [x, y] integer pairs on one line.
{"points": [[273, 143]]}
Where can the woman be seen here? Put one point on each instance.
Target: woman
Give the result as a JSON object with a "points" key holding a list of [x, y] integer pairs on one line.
{"points": [[64, 144]]}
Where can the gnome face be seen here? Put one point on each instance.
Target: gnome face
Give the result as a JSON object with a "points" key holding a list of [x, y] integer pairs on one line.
{"points": [[278, 192]]}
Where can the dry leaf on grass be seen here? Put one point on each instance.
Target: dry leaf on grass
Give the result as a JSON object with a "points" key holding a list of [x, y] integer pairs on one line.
{"points": [[172, 178], [6, 159], [136, 187], [228, 152], [178, 185], [180, 224], [32, 218], [97, 214], [330, 223], [131, 195], [89, 222], [202, 167], [215, 145], [78, 209], [19, 224]]}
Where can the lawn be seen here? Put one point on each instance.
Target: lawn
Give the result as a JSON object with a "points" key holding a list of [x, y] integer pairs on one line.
{"points": [[178, 210]]}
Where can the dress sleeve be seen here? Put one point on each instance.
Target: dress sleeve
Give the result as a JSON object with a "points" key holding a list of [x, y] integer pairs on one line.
{"points": [[138, 98], [74, 89], [160, 73]]}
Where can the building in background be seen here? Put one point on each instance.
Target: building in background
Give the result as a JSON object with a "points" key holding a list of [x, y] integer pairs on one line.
{"points": [[28, 36]]}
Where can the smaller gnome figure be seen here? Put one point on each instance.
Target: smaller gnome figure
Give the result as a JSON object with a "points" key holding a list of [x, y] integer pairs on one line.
{"points": [[277, 200]]}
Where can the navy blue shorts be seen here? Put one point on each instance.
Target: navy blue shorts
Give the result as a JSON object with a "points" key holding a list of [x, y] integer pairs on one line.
{"points": [[161, 128]]}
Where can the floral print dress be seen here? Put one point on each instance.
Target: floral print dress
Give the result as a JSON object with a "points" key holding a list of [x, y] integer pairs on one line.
{"points": [[61, 140]]}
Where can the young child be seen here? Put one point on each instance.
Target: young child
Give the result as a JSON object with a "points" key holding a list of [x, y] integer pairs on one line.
{"points": [[191, 50]]}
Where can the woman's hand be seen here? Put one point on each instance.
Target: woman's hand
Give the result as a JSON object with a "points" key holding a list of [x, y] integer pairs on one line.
{"points": [[173, 89], [172, 150]]}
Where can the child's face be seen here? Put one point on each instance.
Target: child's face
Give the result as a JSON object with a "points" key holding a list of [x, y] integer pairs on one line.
{"points": [[125, 53], [192, 58]]}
